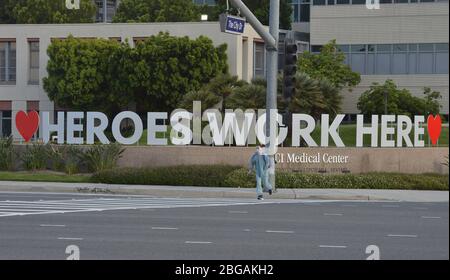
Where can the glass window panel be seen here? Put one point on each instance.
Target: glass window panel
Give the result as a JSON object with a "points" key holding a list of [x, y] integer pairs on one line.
{"points": [[342, 2], [305, 12], [425, 47], [441, 47], [358, 48], [399, 63], [384, 48], [412, 47], [400, 1], [319, 2], [412, 63], [344, 48], [400, 47], [358, 63], [425, 63], [370, 69], [442, 63], [358, 2], [385, 1], [371, 48], [330, 2], [383, 63]]}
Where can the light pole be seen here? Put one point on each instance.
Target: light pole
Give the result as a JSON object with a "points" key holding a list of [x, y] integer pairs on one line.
{"points": [[271, 41]]}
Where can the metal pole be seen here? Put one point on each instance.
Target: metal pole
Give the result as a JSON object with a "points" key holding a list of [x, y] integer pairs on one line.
{"points": [[271, 98], [271, 40]]}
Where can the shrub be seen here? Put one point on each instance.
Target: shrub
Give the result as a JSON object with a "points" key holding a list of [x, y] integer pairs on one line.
{"points": [[231, 176], [6, 153], [35, 157], [194, 175], [101, 157], [65, 158]]}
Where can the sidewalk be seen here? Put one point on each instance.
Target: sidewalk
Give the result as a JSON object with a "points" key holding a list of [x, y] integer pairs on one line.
{"points": [[212, 192]]}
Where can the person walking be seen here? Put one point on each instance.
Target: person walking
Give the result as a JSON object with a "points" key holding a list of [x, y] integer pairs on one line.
{"points": [[259, 162]]}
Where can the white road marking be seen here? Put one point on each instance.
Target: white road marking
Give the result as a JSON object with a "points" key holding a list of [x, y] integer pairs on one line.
{"points": [[279, 231], [333, 246], [43, 225], [247, 230], [164, 228], [70, 238], [420, 208], [238, 212], [22, 208], [197, 242], [333, 214], [430, 217], [402, 235], [390, 206], [347, 205]]}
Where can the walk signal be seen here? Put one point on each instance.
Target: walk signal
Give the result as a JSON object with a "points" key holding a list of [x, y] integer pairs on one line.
{"points": [[290, 69]]}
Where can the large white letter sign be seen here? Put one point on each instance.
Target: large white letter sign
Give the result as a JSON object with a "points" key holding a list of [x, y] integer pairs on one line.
{"points": [[418, 131], [138, 128], [361, 130], [386, 130], [305, 133], [72, 127], [92, 130], [152, 128], [180, 122], [403, 133], [58, 127], [331, 130]]}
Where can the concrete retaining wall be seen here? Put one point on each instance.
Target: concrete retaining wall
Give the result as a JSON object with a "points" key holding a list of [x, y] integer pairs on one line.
{"points": [[353, 160]]}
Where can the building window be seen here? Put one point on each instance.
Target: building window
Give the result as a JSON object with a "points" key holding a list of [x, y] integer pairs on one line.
{"points": [[5, 119], [33, 78], [259, 60], [396, 59], [7, 62], [111, 7]]}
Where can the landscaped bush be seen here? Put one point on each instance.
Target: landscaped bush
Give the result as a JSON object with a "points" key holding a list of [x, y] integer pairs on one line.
{"points": [[101, 157], [65, 158], [230, 176], [240, 178], [35, 157], [195, 175], [6, 153]]}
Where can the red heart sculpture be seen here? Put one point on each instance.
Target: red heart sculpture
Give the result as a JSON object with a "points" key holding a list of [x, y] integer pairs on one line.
{"points": [[434, 128], [27, 124]]}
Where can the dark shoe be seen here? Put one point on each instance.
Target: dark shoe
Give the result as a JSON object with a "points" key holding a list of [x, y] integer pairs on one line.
{"points": [[270, 192], [260, 197]]}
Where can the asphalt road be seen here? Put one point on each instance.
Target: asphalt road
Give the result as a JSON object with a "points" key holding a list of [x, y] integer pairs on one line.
{"points": [[41, 226]]}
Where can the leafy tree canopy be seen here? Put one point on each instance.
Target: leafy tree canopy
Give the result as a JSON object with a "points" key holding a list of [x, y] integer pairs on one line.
{"points": [[45, 11], [157, 11], [329, 65], [399, 101]]}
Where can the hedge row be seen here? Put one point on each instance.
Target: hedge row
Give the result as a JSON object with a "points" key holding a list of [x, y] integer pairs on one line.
{"points": [[231, 176]]}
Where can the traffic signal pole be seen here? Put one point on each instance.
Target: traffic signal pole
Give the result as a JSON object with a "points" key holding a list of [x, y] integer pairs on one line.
{"points": [[271, 40]]}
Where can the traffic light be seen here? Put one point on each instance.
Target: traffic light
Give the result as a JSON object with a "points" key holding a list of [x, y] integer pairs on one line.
{"points": [[290, 68]]}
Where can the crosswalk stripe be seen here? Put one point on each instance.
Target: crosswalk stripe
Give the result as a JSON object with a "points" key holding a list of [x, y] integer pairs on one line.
{"points": [[22, 208]]}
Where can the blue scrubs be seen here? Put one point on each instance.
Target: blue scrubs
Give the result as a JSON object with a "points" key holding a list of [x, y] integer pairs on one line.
{"points": [[260, 163]]}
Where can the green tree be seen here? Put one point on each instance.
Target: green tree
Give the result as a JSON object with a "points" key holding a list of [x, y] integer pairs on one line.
{"points": [[79, 74], [207, 98], [308, 98], [169, 67], [261, 9], [399, 101], [329, 65], [157, 11], [45, 11], [250, 96]]}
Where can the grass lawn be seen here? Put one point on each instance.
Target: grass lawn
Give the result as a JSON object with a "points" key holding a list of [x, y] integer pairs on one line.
{"points": [[43, 176]]}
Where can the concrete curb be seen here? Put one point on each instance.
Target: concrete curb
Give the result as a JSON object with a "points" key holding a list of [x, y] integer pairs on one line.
{"points": [[213, 192]]}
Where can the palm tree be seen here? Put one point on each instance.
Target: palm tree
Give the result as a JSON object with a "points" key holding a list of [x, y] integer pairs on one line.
{"points": [[308, 97]]}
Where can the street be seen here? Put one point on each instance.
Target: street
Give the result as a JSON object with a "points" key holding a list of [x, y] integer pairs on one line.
{"points": [[42, 225]]}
